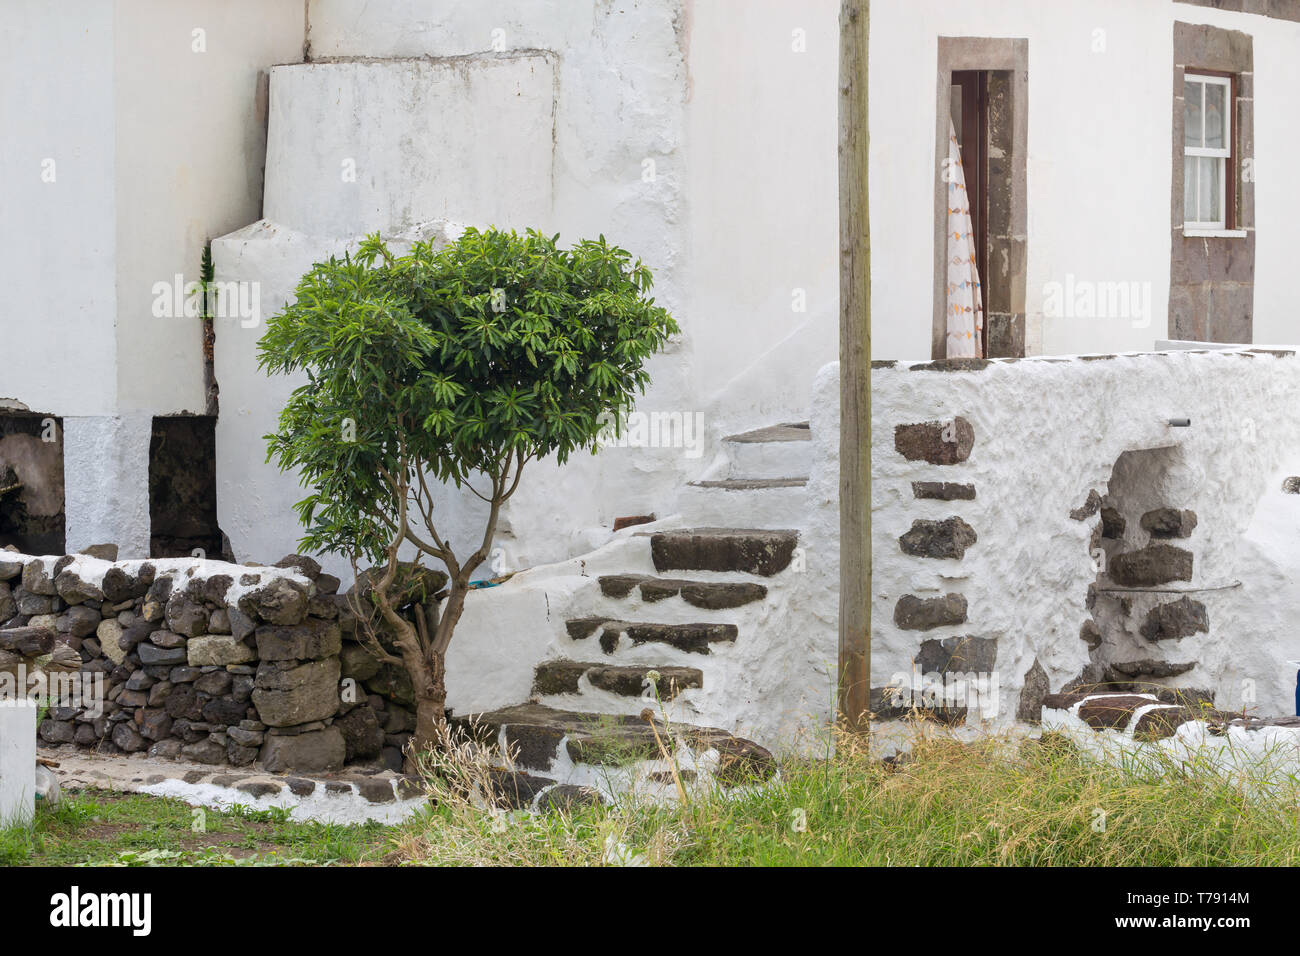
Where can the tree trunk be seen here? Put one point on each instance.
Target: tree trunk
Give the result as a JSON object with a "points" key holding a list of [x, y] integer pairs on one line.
{"points": [[430, 715]]}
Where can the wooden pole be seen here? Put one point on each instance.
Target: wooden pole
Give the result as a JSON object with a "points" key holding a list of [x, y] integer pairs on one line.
{"points": [[855, 373]]}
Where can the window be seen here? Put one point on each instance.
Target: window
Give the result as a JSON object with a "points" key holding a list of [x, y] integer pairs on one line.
{"points": [[1209, 173]]}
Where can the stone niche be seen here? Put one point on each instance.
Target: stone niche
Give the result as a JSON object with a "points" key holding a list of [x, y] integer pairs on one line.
{"points": [[1144, 603], [31, 483], [211, 663]]}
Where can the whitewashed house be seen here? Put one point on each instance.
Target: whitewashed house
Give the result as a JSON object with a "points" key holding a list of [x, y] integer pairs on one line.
{"points": [[1127, 165]]}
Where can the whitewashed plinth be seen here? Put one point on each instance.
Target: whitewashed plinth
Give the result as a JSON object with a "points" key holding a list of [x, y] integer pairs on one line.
{"points": [[17, 762]]}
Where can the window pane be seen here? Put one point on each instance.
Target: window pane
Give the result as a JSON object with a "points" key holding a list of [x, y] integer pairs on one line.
{"points": [[1214, 115], [1192, 113], [1211, 201], [1189, 189]]}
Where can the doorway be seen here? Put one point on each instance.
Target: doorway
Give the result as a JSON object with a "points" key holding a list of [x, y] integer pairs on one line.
{"points": [[982, 101], [970, 121]]}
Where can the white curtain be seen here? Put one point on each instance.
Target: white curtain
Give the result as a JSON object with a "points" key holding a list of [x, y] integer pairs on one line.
{"points": [[965, 308]]}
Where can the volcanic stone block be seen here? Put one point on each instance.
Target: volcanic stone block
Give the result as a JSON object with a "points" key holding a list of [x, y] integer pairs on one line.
{"points": [[8, 606], [1169, 523], [629, 681], [358, 663], [1090, 634], [1089, 508], [186, 616], [36, 580], [217, 649], [223, 711], [724, 549], [156, 724], [315, 751], [943, 490], [204, 751], [692, 638], [1111, 711], [153, 654], [28, 641], [279, 602], [939, 443], [1147, 669], [948, 538], [170, 639], [958, 654], [128, 738], [1112, 523], [1160, 722], [912, 613], [79, 621], [1152, 565], [241, 625], [559, 676], [310, 640], [74, 590], [215, 683], [310, 567], [287, 694], [1175, 620], [32, 604], [57, 731], [1035, 688], [363, 738], [120, 585]]}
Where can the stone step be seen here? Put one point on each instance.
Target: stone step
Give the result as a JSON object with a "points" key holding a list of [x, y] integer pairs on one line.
{"points": [[770, 452], [750, 551], [564, 677], [692, 638], [535, 733], [787, 432], [745, 502], [711, 595], [751, 484]]}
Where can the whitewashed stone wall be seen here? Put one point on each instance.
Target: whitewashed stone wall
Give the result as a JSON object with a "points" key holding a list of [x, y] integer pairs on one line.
{"points": [[1039, 446]]}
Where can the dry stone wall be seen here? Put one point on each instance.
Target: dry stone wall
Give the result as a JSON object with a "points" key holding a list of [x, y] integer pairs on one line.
{"points": [[209, 662]]}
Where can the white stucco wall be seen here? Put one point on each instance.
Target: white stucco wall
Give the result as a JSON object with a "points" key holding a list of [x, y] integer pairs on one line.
{"points": [[59, 261], [134, 132], [189, 138]]}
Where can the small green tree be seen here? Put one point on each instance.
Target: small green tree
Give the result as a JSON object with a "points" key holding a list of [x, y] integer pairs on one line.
{"points": [[457, 366]]}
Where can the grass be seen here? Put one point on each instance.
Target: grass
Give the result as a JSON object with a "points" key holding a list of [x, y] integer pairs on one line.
{"points": [[989, 803], [105, 829], [994, 802]]}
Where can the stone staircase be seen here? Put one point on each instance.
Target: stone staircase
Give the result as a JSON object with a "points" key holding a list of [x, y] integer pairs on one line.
{"points": [[640, 645], [758, 480]]}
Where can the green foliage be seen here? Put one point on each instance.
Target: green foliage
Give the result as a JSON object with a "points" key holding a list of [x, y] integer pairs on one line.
{"points": [[497, 349]]}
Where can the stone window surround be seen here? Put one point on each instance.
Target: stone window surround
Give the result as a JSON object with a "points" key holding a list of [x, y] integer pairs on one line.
{"points": [[1002, 54], [1278, 9], [1211, 281]]}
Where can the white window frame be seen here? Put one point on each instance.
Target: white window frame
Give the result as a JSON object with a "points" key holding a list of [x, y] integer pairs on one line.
{"points": [[1210, 227]]}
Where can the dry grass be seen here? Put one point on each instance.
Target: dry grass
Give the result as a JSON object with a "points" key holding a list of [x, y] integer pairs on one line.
{"points": [[995, 802]]}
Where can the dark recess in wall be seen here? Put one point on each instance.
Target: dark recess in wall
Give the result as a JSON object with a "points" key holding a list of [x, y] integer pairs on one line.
{"points": [[31, 483], [183, 488]]}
